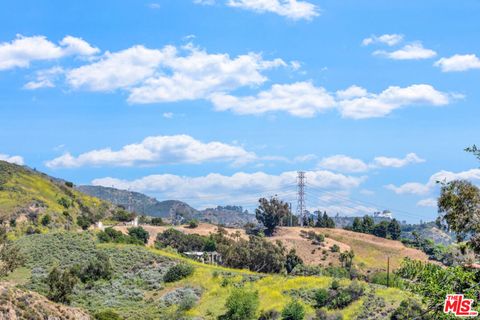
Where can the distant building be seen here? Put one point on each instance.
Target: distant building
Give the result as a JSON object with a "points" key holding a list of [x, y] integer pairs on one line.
{"points": [[383, 214], [205, 257]]}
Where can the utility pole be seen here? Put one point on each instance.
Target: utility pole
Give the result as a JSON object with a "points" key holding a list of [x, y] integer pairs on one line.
{"points": [[388, 271], [301, 211]]}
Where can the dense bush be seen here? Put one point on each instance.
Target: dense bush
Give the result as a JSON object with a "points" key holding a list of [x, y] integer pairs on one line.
{"points": [[180, 241], [192, 224], [95, 269], [60, 284], [338, 297], [292, 260], [335, 248], [178, 272], [157, 222], [123, 215], [269, 315], [409, 309], [107, 315], [46, 219], [293, 311], [84, 222], [241, 305], [139, 233], [114, 236]]}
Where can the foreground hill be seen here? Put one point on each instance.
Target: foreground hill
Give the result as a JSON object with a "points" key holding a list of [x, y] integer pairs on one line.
{"points": [[18, 304], [27, 193], [137, 289], [371, 252]]}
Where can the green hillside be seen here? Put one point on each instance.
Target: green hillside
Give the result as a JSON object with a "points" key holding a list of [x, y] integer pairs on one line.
{"points": [[137, 289], [27, 195]]}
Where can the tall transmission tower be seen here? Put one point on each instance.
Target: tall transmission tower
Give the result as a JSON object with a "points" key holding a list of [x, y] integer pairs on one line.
{"points": [[301, 210]]}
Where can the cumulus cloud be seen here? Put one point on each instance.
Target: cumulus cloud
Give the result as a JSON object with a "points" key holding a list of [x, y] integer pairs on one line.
{"points": [[413, 51], [300, 99], [441, 176], [365, 105], [343, 163], [20, 52], [291, 9], [155, 151], [12, 159], [459, 62], [388, 39], [396, 162], [170, 74], [245, 188], [45, 78], [429, 202], [121, 69]]}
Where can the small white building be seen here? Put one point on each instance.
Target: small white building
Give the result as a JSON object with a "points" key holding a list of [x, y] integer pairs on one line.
{"points": [[383, 214]]}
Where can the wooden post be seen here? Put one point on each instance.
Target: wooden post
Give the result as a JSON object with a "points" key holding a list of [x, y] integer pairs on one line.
{"points": [[388, 271]]}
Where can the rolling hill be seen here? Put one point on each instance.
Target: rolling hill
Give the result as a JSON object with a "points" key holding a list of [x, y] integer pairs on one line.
{"points": [[28, 194]]}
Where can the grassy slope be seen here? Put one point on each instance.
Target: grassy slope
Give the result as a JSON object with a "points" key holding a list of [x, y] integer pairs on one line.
{"points": [[20, 188], [128, 294]]}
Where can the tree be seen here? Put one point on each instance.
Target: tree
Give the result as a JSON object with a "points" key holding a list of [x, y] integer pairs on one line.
{"points": [[346, 259], [394, 229], [381, 229], [270, 212], [242, 304], [459, 209], [157, 222], [97, 268], [293, 311], [10, 256], [324, 221], [292, 260], [84, 222], [60, 284], [139, 233], [367, 224], [357, 225]]}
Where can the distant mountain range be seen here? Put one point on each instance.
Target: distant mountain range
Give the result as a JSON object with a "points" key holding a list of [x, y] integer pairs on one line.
{"points": [[145, 205]]}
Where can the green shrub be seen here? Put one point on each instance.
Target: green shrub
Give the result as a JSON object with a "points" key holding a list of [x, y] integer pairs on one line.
{"points": [[269, 315], [84, 222], [139, 233], [114, 236], [293, 311], [107, 315], [157, 222], [241, 305], [408, 309], [46, 219], [321, 298], [335, 248], [192, 224], [178, 272], [97, 268], [60, 285]]}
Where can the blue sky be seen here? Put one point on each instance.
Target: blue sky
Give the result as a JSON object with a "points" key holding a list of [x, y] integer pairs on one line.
{"points": [[220, 102]]}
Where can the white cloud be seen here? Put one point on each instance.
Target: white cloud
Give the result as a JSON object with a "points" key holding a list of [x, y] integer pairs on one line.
{"points": [[459, 62], [409, 188], [158, 150], [168, 115], [204, 2], [388, 39], [170, 74], [12, 159], [382, 104], [300, 99], [429, 202], [441, 176], [77, 46], [121, 69], [245, 188], [396, 162], [413, 51], [45, 78], [291, 9], [199, 74], [23, 50], [343, 163]]}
